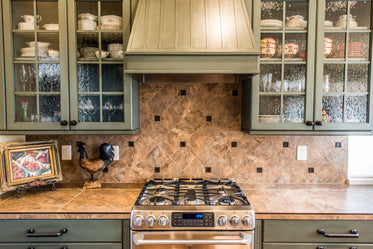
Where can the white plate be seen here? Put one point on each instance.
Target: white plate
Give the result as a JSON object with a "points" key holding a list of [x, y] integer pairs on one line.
{"points": [[270, 23]]}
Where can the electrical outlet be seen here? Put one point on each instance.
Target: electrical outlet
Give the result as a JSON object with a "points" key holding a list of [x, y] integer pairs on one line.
{"points": [[302, 152], [116, 153], [66, 152]]}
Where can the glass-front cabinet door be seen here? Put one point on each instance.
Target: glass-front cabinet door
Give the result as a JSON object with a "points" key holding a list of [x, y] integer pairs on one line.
{"points": [[283, 92], [36, 64], [343, 71], [100, 92]]}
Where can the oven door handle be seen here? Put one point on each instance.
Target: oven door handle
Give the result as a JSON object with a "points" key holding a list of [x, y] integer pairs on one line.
{"points": [[138, 239]]}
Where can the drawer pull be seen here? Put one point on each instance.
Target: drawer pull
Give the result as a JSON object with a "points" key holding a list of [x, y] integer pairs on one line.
{"points": [[31, 233], [352, 234], [64, 247], [354, 247], [31, 247]]}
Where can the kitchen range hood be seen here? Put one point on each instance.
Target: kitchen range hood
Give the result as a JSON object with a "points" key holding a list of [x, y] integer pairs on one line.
{"points": [[192, 37]]}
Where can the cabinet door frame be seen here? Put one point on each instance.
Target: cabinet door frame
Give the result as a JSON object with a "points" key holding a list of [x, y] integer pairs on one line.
{"points": [[2, 79], [309, 99], [130, 86], [10, 75], [319, 79]]}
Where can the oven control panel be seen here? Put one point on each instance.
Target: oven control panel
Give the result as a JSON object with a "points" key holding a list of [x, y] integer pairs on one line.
{"points": [[181, 219]]}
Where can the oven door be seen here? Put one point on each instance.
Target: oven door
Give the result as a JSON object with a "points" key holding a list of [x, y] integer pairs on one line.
{"points": [[192, 239]]}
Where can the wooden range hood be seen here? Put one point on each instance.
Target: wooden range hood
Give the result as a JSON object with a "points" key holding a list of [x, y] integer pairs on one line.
{"points": [[192, 37]]}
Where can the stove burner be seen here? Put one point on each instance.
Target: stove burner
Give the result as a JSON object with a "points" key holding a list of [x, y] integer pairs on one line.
{"points": [[226, 201], [157, 200]]}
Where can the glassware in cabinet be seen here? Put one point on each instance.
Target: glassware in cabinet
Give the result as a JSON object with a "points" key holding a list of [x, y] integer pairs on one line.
{"points": [[36, 54]]}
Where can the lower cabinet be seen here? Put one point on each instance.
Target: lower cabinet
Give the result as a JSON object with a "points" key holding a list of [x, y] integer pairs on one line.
{"points": [[317, 234], [62, 234]]}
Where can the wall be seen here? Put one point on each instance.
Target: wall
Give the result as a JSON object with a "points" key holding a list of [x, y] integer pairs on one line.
{"points": [[182, 118]]}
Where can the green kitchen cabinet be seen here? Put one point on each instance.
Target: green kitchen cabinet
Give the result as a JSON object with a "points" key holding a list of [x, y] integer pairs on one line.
{"points": [[307, 234], [82, 234], [258, 234], [320, 81], [69, 87], [2, 93]]}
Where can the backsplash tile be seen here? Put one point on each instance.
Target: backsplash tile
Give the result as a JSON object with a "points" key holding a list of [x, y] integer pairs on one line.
{"points": [[182, 109]]}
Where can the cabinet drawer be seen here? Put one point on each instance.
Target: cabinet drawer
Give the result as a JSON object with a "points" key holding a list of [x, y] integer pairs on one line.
{"points": [[77, 230], [314, 246], [306, 231], [66, 245]]}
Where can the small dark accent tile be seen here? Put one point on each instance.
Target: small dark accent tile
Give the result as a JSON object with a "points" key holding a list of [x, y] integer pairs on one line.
{"points": [[182, 144], [234, 144], [105, 170], [259, 170], [285, 144], [338, 144], [157, 118], [311, 170], [157, 169], [208, 118], [234, 93], [131, 144], [208, 169], [183, 92]]}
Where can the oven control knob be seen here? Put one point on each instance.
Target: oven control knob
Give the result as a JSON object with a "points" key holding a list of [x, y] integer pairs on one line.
{"points": [[137, 221], [150, 220], [247, 220], [162, 220], [222, 220], [235, 220]]}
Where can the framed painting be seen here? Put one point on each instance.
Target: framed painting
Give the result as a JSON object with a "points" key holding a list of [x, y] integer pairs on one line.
{"points": [[29, 162]]}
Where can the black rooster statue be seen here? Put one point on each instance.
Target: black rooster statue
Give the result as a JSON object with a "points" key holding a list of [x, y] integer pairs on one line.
{"points": [[94, 165]]}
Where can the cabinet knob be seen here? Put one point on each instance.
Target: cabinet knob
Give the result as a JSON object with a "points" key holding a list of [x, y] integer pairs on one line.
{"points": [[31, 247], [318, 123], [73, 122], [310, 123], [354, 247], [63, 123], [320, 247], [64, 247]]}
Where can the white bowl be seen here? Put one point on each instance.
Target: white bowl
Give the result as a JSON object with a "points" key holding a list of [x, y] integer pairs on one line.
{"points": [[53, 53], [111, 19], [87, 25], [31, 18], [87, 16], [31, 52], [44, 45], [104, 54], [111, 26], [116, 50], [51, 26], [26, 26]]}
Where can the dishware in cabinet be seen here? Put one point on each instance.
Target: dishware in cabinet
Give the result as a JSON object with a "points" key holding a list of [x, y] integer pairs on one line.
{"points": [[282, 94], [36, 90], [101, 94], [343, 76]]}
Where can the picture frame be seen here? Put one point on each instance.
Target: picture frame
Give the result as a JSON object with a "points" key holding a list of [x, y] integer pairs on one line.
{"points": [[29, 162]]}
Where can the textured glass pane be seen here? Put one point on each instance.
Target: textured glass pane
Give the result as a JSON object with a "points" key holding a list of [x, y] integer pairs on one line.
{"points": [[357, 109], [112, 109], [271, 10], [295, 78], [270, 78], [358, 46], [357, 77], [362, 11], [113, 43], [24, 77], [89, 108], [295, 46], [48, 46], [334, 10], [332, 109], [269, 105], [334, 77], [49, 78], [297, 9], [88, 78], [19, 10], [21, 48], [25, 108], [294, 109], [269, 45], [48, 10], [86, 7], [87, 46], [50, 108], [112, 78], [337, 41]]}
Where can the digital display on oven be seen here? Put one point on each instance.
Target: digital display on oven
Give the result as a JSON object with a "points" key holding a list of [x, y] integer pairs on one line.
{"points": [[192, 216]]}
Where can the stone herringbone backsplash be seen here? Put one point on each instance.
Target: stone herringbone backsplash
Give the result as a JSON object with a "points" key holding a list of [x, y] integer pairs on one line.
{"points": [[193, 130]]}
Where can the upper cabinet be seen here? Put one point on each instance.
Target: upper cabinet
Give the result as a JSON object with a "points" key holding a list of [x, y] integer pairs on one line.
{"points": [[65, 66], [315, 66]]}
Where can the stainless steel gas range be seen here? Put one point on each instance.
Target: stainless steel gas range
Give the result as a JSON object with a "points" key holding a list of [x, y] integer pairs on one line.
{"points": [[192, 213]]}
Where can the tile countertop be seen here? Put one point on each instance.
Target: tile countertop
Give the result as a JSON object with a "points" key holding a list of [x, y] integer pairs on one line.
{"points": [[269, 201]]}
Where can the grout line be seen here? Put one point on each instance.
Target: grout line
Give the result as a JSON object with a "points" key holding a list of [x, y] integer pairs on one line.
{"points": [[67, 203]]}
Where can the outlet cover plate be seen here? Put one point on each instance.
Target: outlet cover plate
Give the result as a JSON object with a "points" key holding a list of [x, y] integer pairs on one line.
{"points": [[66, 152], [116, 153], [302, 152]]}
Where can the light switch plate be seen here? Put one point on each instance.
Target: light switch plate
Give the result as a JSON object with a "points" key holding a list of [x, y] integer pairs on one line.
{"points": [[116, 153], [302, 152], [66, 152]]}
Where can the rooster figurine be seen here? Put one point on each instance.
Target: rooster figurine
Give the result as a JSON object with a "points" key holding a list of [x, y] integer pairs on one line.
{"points": [[94, 165]]}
